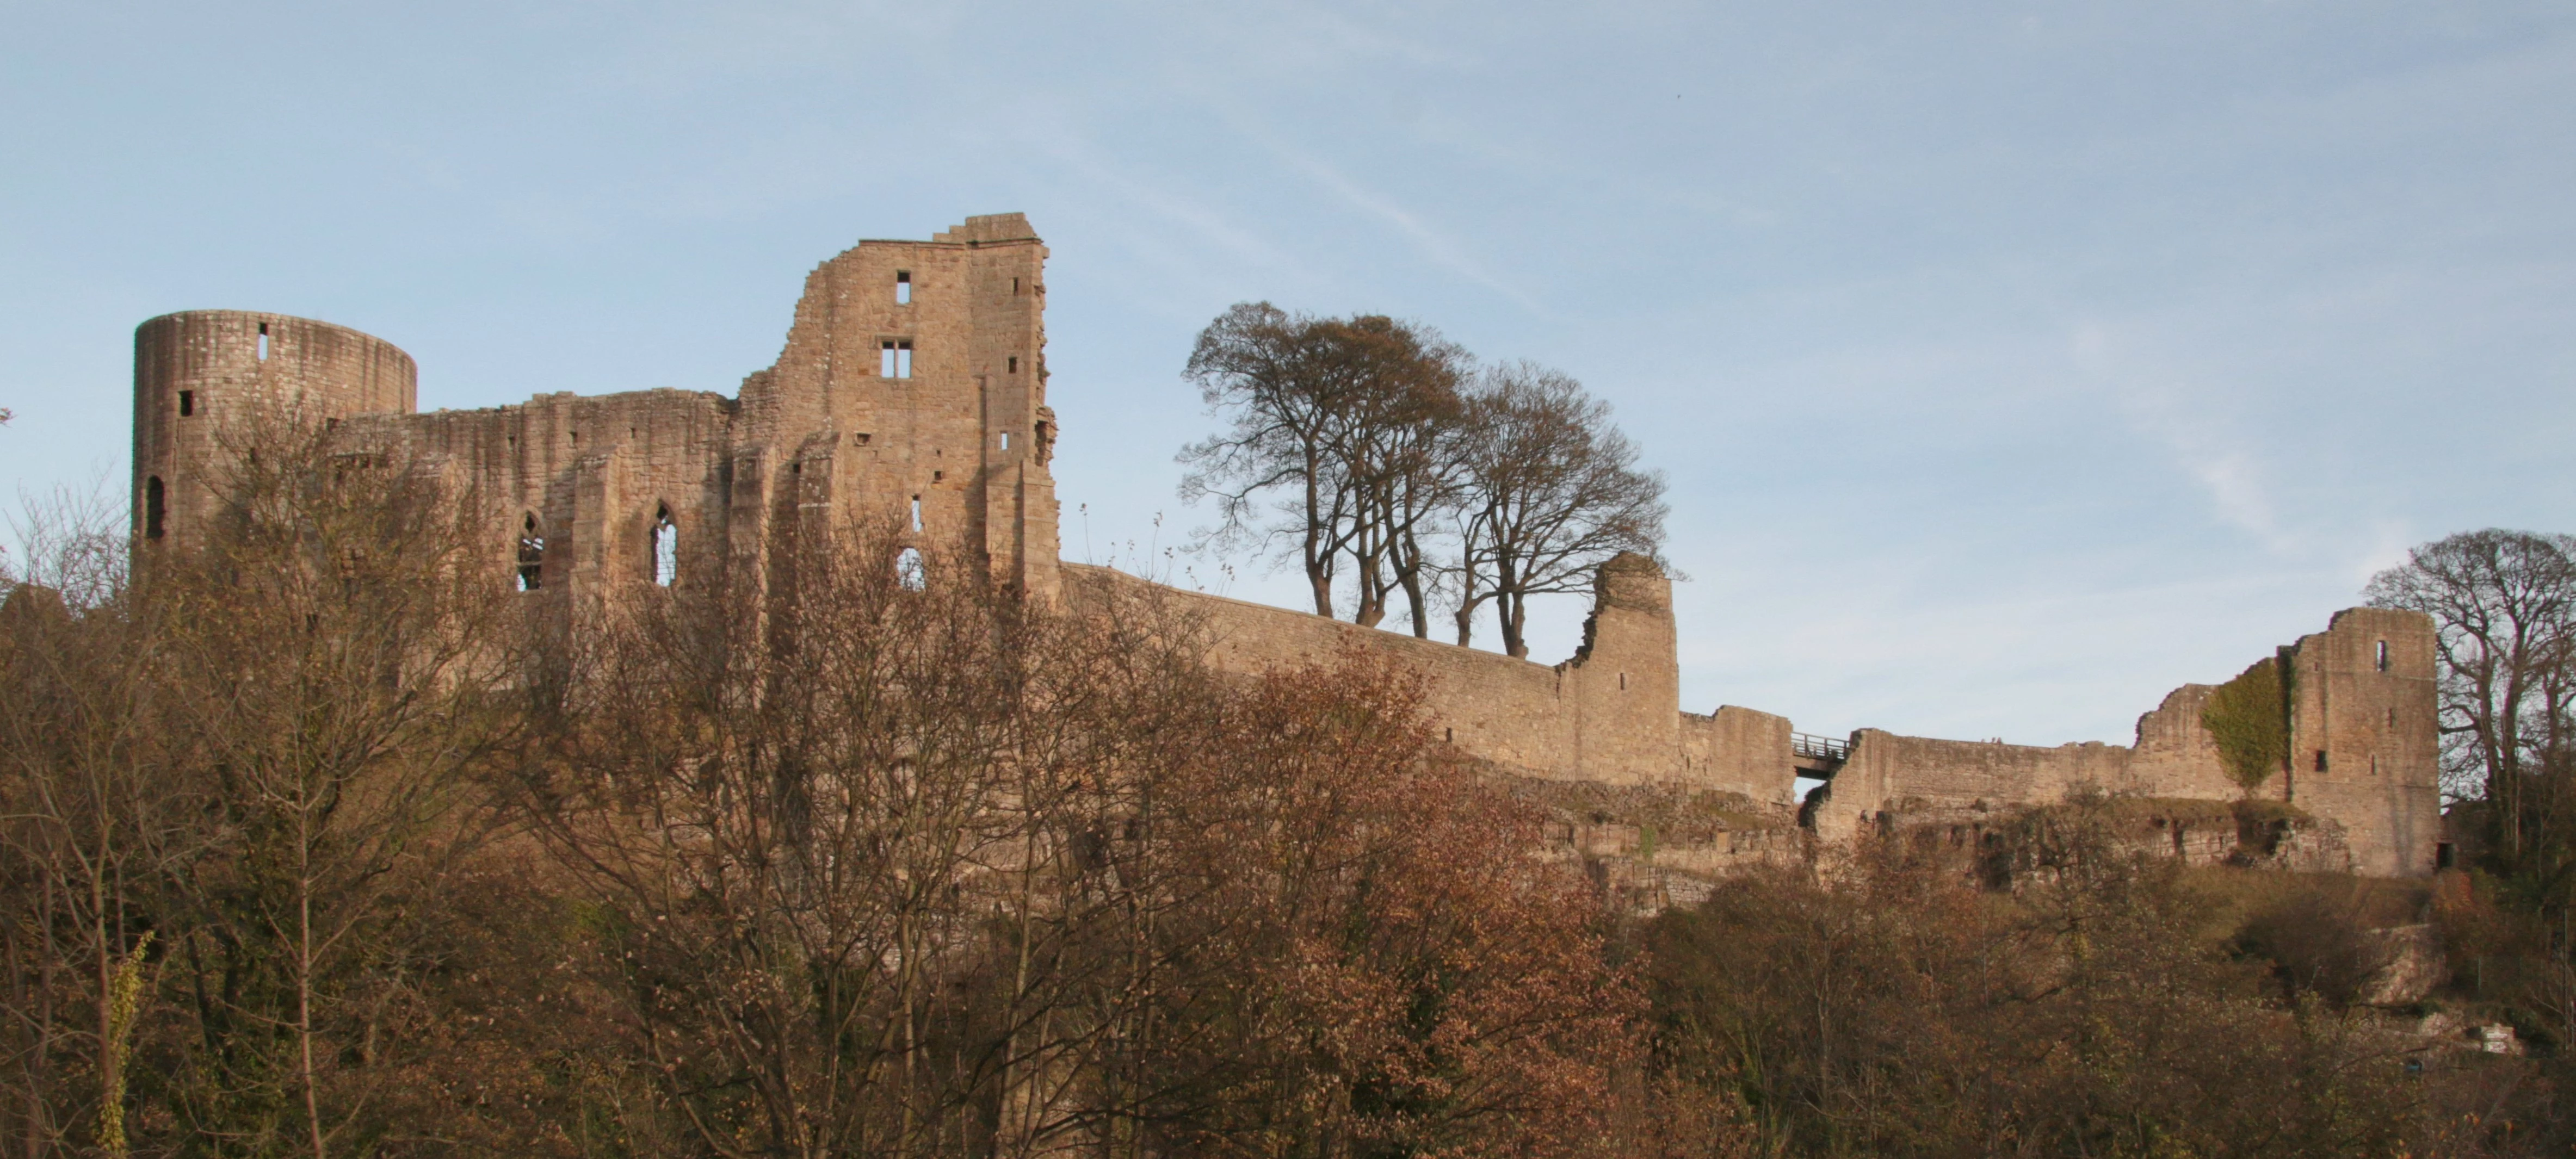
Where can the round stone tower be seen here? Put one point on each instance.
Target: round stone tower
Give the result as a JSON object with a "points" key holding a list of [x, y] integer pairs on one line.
{"points": [[202, 373]]}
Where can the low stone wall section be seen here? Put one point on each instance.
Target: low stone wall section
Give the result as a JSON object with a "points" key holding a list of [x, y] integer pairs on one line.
{"points": [[1610, 714], [1740, 750]]}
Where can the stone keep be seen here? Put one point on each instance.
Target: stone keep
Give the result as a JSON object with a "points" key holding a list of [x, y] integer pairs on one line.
{"points": [[913, 389]]}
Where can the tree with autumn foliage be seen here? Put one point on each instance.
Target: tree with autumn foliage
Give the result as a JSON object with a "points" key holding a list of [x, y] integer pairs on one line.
{"points": [[921, 870], [1363, 953]]}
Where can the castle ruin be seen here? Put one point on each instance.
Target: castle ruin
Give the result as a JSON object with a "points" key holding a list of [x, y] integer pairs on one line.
{"points": [[914, 381]]}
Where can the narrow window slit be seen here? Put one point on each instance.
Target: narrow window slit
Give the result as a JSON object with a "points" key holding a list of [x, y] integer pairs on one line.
{"points": [[666, 547], [187, 403], [903, 287], [532, 556]]}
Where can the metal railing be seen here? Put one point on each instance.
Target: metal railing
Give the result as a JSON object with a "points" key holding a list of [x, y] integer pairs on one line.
{"points": [[1823, 748]]}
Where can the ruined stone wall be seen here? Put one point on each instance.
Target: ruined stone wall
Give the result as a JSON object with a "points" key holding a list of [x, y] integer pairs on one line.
{"points": [[590, 475], [1894, 775], [2175, 755], [911, 389], [2363, 756], [1611, 714], [1742, 751]]}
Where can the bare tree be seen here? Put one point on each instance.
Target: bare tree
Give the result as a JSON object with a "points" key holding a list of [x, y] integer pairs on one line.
{"points": [[1261, 367], [1399, 454], [1350, 417], [337, 658], [1551, 490], [2504, 604], [90, 829], [858, 865], [230, 783]]}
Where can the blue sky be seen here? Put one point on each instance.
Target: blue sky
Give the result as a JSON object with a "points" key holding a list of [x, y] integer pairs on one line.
{"points": [[2011, 362]]}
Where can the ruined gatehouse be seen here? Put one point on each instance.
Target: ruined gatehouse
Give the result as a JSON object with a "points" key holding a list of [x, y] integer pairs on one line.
{"points": [[914, 381]]}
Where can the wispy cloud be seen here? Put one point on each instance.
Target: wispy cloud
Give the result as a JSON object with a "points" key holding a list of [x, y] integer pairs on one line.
{"points": [[1071, 149], [2192, 423], [1435, 245]]}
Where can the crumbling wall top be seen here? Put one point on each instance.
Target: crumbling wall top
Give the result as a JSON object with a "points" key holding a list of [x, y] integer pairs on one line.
{"points": [[988, 228]]}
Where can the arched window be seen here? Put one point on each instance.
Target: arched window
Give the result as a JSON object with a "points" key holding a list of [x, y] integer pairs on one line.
{"points": [[532, 556], [666, 547], [909, 570], [152, 509]]}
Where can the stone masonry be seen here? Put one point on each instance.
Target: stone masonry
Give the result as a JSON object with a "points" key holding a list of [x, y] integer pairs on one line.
{"points": [[913, 386]]}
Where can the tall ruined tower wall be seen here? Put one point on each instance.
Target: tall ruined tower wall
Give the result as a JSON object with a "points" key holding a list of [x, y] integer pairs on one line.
{"points": [[918, 370], [2363, 742]]}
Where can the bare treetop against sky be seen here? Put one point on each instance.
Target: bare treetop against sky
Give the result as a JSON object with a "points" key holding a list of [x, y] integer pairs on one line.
{"points": [[2011, 363]]}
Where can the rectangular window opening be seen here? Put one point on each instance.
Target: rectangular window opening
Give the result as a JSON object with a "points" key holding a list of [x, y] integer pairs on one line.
{"points": [[903, 287], [894, 358], [263, 341], [1015, 364], [2321, 760], [187, 403], [916, 513], [1006, 440], [2383, 655]]}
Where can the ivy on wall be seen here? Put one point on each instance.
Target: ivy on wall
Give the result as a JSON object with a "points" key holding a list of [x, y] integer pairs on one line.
{"points": [[2249, 717]]}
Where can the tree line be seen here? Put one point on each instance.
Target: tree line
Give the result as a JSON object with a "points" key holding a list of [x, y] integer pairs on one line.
{"points": [[1384, 462], [314, 842]]}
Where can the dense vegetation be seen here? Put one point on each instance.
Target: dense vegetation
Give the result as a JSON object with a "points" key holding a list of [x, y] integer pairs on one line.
{"points": [[311, 845]]}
